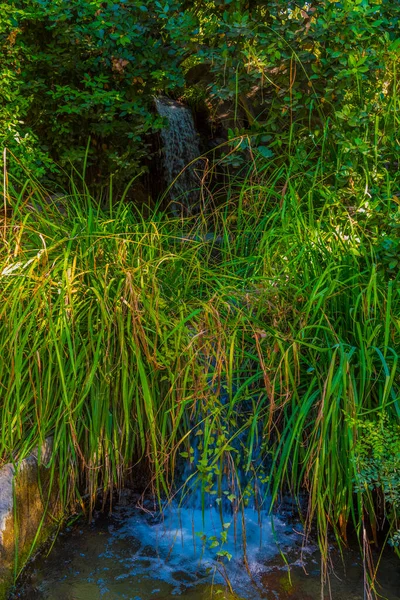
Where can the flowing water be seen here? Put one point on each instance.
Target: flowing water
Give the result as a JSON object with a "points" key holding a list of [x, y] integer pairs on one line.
{"points": [[190, 555], [181, 149], [203, 545]]}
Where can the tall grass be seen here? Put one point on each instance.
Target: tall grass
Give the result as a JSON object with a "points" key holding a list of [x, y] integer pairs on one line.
{"points": [[124, 337]]}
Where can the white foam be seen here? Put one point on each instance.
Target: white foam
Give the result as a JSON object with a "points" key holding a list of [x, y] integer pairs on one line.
{"points": [[184, 545]]}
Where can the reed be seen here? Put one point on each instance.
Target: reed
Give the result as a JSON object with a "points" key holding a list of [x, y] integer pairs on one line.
{"points": [[143, 341]]}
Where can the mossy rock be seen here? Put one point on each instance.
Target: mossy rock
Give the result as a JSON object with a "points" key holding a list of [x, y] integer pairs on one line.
{"points": [[29, 511]]}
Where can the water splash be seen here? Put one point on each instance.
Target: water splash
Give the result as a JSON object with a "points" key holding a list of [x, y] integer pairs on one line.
{"points": [[206, 535], [200, 548], [181, 149]]}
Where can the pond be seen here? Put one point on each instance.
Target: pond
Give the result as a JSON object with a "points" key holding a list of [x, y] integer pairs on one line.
{"points": [[191, 554]]}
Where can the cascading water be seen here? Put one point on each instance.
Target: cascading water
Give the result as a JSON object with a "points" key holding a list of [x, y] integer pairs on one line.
{"points": [[181, 149]]}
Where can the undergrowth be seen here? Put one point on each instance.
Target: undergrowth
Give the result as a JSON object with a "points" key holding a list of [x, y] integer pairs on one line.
{"points": [[265, 348]]}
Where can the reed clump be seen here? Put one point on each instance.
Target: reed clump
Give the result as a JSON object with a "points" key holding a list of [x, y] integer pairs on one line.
{"points": [[270, 342]]}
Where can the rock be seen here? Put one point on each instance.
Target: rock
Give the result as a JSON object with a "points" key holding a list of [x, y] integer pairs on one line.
{"points": [[24, 520]]}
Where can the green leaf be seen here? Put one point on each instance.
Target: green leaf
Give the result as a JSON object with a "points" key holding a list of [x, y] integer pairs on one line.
{"points": [[265, 151]]}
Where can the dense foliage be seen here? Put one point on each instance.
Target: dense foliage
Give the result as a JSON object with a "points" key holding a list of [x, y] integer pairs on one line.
{"points": [[74, 70]]}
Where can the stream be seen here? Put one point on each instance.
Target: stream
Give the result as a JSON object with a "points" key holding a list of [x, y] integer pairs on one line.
{"points": [[136, 554]]}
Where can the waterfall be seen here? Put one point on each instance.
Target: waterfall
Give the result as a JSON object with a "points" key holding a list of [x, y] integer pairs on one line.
{"points": [[181, 148]]}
